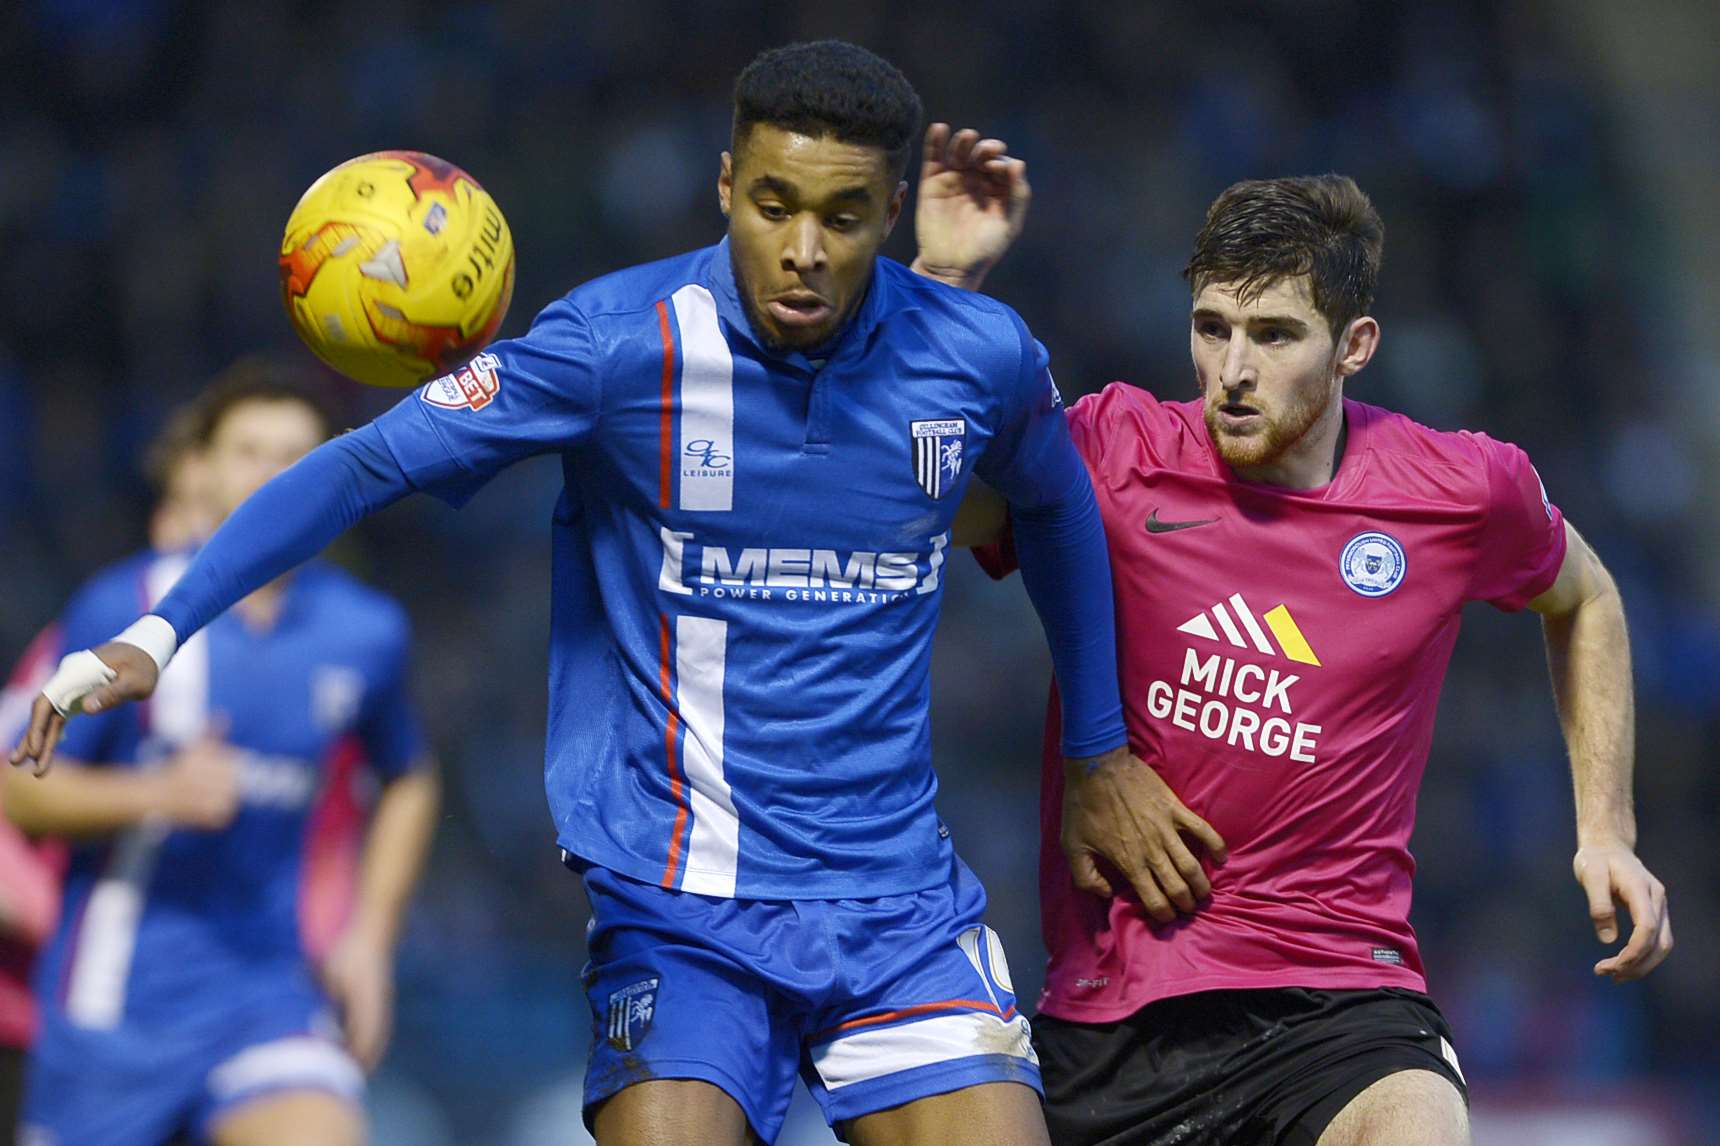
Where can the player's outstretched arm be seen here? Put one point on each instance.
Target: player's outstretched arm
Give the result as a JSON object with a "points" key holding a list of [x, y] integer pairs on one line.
{"points": [[970, 207], [1588, 652], [286, 522]]}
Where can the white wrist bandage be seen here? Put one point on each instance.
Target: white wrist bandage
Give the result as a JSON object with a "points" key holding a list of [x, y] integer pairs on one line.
{"points": [[81, 673], [154, 636]]}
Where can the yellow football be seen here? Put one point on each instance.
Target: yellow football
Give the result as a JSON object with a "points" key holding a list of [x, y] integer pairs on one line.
{"points": [[396, 267]]}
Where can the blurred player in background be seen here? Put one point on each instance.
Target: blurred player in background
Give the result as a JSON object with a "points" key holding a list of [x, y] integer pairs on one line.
{"points": [[176, 996], [1290, 567], [31, 870], [186, 512], [764, 443]]}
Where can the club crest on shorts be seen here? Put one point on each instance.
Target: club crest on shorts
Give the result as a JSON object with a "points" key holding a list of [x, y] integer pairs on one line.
{"points": [[937, 452], [1372, 563], [630, 1012]]}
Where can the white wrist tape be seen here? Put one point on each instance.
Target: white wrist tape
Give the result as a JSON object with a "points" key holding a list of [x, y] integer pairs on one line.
{"points": [[79, 674], [154, 636]]}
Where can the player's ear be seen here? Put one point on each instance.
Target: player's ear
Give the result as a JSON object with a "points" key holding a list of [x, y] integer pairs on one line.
{"points": [[1361, 338], [726, 183], [893, 212]]}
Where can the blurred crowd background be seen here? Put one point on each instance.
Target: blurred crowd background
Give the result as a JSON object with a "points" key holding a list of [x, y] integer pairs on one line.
{"points": [[1546, 173]]}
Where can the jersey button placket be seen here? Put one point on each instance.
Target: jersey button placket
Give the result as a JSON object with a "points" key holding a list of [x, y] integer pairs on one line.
{"points": [[818, 414]]}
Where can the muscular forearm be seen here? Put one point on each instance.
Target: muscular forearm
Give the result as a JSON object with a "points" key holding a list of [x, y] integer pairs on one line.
{"points": [[287, 522], [1588, 652], [394, 852], [76, 801]]}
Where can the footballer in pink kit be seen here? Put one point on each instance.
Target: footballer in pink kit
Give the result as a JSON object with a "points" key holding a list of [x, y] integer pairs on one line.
{"points": [[1283, 652], [1290, 567]]}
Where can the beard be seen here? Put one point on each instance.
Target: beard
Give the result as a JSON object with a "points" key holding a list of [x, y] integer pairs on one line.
{"points": [[1279, 433]]}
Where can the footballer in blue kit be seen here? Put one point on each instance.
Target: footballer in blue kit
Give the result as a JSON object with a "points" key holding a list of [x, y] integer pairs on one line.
{"points": [[764, 443], [176, 997]]}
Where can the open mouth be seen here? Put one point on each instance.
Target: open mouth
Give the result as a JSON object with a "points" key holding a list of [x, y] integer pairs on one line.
{"points": [[1239, 416], [799, 309]]}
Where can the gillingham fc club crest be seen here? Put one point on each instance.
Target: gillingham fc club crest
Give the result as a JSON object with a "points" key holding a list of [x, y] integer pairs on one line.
{"points": [[1372, 563], [630, 1012], [937, 452]]}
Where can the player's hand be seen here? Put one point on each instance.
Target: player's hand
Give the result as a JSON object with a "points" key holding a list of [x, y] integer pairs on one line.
{"points": [[971, 205], [359, 977], [1611, 874], [200, 785], [1117, 807], [88, 681]]}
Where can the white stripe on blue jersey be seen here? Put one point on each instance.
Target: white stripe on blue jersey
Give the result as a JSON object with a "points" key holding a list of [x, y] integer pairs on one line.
{"points": [[714, 842]]}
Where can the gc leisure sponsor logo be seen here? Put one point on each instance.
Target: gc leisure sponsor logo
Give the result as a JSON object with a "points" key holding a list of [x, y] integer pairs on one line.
{"points": [[704, 458], [472, 387], [803, 576], [1236, 702], [1372, 563]]}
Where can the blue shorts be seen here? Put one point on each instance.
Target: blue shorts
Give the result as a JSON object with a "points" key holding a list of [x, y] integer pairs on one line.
{"points": [[874, 1002], [137, 1086]]}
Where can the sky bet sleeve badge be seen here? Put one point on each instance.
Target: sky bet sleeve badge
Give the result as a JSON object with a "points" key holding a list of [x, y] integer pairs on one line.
{"points": [[938, 453]]}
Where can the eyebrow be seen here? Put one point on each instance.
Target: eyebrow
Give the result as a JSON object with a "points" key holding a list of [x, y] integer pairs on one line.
{"points": [[1292, 324], [771, 184]]}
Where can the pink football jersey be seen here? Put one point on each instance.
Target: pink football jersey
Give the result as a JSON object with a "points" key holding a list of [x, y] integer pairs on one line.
{"points": [[1281, 654]]}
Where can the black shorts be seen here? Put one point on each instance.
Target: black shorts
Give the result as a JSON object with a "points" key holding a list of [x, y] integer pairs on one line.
{"points": [[11, 1092], [1233, 1068]]}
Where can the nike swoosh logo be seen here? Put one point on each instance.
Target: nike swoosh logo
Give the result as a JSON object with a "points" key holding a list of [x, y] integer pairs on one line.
{"points": [[1154, 525]]}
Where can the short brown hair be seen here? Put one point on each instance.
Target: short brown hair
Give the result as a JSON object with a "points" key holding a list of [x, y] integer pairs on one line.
{"points": [[1261, 231], [253, 379]]}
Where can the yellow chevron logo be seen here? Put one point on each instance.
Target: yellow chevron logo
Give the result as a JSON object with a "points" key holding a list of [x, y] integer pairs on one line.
{"points": [[1231, 621]]}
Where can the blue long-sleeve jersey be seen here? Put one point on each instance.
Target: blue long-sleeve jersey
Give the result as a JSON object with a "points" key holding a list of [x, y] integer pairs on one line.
{"points": [[748, 562]]}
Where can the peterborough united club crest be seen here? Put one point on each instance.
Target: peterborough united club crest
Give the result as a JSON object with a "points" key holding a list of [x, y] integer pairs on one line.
{"points": [[630, 1011], [938, 446], [1372, 563]]}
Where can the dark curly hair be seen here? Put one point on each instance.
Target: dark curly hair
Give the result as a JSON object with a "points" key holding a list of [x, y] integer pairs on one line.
{"points": [[1263, 230], [830, 88]]}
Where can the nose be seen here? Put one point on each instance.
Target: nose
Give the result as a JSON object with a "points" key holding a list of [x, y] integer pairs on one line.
{"points": [[1238, 371], [803, 246]]}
